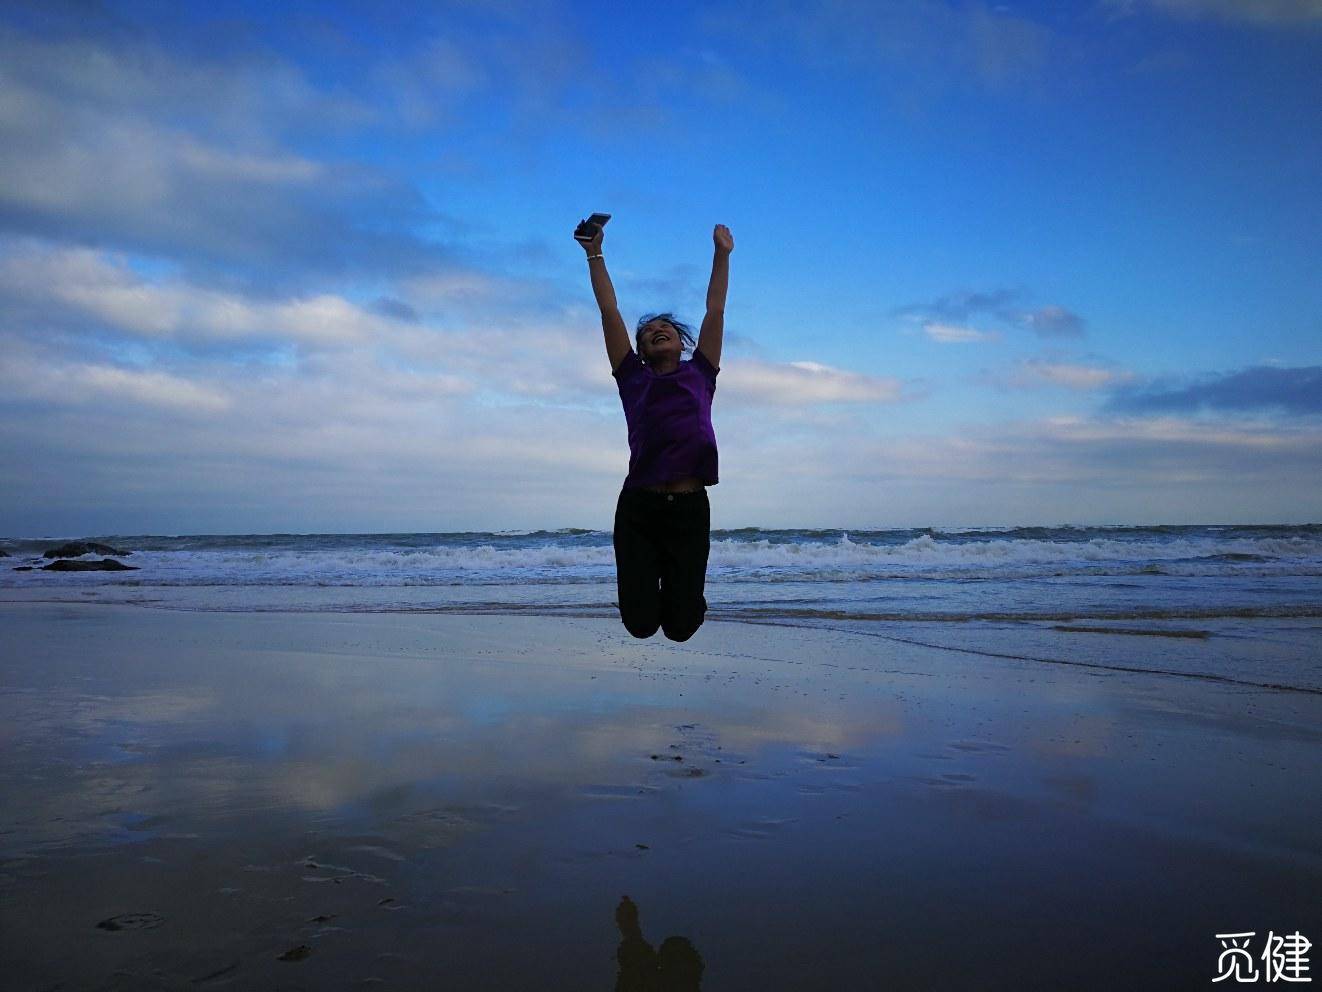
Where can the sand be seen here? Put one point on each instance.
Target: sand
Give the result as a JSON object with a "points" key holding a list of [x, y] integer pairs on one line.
{"points": [[342, 801]]}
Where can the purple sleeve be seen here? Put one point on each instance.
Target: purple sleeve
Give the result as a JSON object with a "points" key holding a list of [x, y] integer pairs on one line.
{"points": [[708, 371], [629, 365]]}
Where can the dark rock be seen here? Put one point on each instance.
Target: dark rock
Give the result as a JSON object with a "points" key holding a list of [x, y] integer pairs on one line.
{"points": [[295, 953], [103, 565], [76, 548], [22, 568]]}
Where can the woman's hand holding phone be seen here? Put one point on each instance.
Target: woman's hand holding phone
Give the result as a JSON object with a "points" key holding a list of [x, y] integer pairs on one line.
{"points": [[592, 247], [590, 233]]}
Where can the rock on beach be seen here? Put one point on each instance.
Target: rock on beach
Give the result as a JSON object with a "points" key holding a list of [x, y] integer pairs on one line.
{"points": [[74, 549], [102, 564]]}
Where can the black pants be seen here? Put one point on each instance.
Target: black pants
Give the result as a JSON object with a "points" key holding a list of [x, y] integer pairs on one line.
{"points": [[661, 544]]}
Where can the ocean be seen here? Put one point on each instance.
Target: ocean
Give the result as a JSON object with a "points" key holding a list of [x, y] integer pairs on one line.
{"points": [[1028, 573]]}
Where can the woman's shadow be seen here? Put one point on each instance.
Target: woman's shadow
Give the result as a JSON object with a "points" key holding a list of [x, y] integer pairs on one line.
{"points": [[676, 967]]}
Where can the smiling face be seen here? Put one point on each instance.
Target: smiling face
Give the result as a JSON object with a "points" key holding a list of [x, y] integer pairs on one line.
{"points": [[658, 339]]}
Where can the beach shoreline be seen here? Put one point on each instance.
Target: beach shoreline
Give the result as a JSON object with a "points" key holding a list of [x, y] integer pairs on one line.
{"points": [[414, 795]]}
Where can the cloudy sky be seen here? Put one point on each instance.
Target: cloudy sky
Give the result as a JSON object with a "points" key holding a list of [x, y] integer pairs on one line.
{"points": [[995, 263]]}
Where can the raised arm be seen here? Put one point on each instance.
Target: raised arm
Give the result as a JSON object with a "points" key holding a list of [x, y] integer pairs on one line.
{"points": [[713, 324], [612, 324]]}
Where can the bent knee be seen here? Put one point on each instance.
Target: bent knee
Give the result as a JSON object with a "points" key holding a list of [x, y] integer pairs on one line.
{"points": [[678, 633], [641, 628]]}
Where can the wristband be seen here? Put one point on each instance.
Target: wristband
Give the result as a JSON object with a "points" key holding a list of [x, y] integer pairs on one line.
{"points": [[598, 255]]}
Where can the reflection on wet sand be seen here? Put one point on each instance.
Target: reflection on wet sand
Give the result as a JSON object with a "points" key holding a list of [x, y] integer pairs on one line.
{"points": [[337, 801], [675, 967]]}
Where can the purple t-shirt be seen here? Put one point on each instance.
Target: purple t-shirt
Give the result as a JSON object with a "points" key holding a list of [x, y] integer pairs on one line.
{"points": [[669, 418]]}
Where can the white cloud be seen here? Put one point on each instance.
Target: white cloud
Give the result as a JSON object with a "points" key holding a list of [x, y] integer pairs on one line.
{"points": [[954, 334], [1069, 375], [147, 386], [1220, 434], [1062, 469], [801, 383], [86, 285], [83, 383], [446, 289], [116, 141], [247, 167], [1053, 321]]}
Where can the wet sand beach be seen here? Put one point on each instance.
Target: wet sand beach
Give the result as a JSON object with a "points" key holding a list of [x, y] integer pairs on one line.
{"points": [[343, 801]]}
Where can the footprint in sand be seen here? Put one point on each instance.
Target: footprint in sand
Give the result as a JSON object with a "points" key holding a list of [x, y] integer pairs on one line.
{"points": [[761, 829], [978, 746], [687, 773], [132, 921]]}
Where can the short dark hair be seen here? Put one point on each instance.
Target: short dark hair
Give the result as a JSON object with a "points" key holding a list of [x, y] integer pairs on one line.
{"points": [[684, 331]]}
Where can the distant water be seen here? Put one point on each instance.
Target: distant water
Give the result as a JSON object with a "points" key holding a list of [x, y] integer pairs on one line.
{"points": [[1013, 573]]}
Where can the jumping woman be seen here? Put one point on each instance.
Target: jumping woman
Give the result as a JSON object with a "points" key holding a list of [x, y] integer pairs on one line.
{"points": [[662, 517]]}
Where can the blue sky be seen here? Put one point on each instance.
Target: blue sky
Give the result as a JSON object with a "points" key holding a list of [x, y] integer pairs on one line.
{"points": [[995, 263]]}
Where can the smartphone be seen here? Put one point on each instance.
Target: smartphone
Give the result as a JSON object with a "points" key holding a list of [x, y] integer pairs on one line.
{"points": [[587, 229]]}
